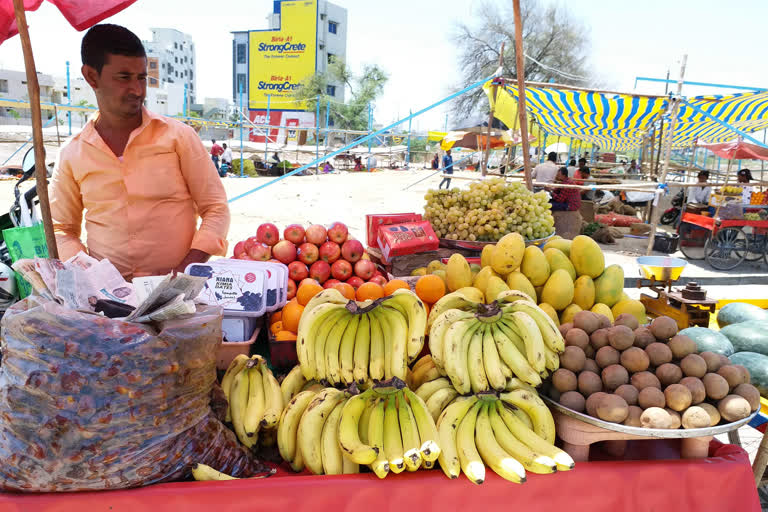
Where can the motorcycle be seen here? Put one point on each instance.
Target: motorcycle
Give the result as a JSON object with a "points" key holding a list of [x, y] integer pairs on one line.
{"points": [[672, 215]]}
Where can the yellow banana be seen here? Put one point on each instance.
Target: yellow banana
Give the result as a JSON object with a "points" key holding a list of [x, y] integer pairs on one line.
{"points": [[306, 339], [531, 461], [365, 417], [288, 426], [292, 384], [427, 372], [447, 425], [513, 357], [511, 296], [549, 330], [534, 344], [504, 368], [347, 351], [237, 364], [533, 406], [328, 338], [377, 357], [456, 351], [239, 404], [416, 315], [332, 347], [533, 441], [333, 463], [427, 464], [438, 330], [397, 342], [329, 295], [273, 399], [492, 362], [254, 411], [511, 331], [427, 359], [380, 466], [477, 379], [350, 443], [501, 462], [311, 427], [515, 383], [552, 360], [410, 435], [388, 337], [362, 349], [203, 473], [393, 443], [439, 400], [454, 300], [469, 458], [429, 448], [427, 389]]}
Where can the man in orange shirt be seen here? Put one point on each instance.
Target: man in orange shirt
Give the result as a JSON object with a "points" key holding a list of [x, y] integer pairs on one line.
{"points": [[142, 179]]}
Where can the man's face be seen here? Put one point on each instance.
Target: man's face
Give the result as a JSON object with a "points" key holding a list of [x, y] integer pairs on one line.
{"points": [[559, 177], [121, 86]]}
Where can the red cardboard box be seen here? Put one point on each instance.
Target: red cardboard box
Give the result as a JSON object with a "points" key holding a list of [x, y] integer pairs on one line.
{"points": [[406, 238], [372, 223]]}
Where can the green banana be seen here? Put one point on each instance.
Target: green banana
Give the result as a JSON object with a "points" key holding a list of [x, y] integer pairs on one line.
{"points": [[549, 331], [452, 300], [397, 340]]}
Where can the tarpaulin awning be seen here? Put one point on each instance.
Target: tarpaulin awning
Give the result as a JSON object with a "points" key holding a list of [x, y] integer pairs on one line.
{"points": [[81, 14], [737, 150], [746, 111]]}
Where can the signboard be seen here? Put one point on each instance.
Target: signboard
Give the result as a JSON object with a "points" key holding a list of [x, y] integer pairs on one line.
{"points": [[294, 122], [281, 59]]}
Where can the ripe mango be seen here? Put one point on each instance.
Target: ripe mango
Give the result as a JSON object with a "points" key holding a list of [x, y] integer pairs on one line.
{"points": [[568, 313], [457, 271], [485, 256], [481, 279], [560, 244], [610, 285], [517, 281], [587, 257], [435, 265], [631, 306], [550, 311], [421, 271], [472, 293], [495, 286], [584, 292], [508, 254], [602, 309], [558, 259], [558, 291], [535, 266], [441, 274]]}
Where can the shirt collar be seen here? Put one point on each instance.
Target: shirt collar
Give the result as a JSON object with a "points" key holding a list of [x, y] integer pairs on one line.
{"points": [[89, 133]]}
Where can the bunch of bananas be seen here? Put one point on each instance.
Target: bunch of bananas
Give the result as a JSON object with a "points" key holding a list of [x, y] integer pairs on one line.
{"points": [[480, 347], [255, 399], [730, 190], [294, 383], [342, 341], [484, 429]]}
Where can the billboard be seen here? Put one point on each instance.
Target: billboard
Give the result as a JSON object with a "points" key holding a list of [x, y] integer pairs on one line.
{"points": [[281, 59], [294, 122]]}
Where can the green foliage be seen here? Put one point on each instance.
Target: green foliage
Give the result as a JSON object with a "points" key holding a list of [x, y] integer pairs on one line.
{"points": [[13, 113], [249, 168], [364, 89]]}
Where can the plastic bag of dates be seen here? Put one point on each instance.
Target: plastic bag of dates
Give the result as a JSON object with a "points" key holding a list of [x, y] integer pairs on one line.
{"points": [[88, 402]]}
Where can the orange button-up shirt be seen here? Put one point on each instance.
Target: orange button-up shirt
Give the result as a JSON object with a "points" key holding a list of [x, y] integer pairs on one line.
{"points": [[141, 210]]}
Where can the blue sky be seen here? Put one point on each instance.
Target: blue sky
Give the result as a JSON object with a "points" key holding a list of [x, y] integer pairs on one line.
{"points": [[410, 40]]}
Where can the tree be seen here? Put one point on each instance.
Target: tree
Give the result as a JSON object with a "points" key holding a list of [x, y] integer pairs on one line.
{"points": [[363, 88], [555, 42]]}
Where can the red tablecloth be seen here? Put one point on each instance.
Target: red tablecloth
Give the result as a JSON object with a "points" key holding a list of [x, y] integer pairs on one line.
{"points": [[721, 482]]}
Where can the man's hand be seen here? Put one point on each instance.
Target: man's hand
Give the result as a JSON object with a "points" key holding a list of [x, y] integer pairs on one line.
{"points": [[193, 256]]}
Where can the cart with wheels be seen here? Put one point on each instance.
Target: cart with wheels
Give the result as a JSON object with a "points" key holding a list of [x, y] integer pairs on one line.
{"points": [[723, 243]]}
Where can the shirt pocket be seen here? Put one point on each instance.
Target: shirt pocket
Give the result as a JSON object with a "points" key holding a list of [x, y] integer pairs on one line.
{"points": [[159, 177]]}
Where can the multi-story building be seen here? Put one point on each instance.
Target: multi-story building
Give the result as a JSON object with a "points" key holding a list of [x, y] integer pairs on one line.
{"points": [[13, 86], [171, 60], [268, 65]]}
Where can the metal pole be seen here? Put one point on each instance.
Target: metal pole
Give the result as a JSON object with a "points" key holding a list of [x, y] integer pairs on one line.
{"points": [[266, 132], [370, 123], [185, 100], [445, 129], [242, 163], [408, 154], [667, 154], [521, 111], [69, 101], [317, 134]]}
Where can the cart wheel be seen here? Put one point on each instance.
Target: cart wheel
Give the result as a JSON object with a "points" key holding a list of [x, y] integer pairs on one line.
{"points": [[726, 248], [756, 243], [692, 241]]}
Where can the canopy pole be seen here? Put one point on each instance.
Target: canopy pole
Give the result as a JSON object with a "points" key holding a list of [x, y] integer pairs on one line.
{"points": [[490, 116], [33, 88], [655, 170], [521, 112], [667, 154]]}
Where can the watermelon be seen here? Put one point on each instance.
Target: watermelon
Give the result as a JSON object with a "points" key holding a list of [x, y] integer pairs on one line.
{"points": [[708, 340], [757, 364], [737, 312], [748, 336]]}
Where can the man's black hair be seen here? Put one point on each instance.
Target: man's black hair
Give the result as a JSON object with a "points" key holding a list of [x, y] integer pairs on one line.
{"points": [[572, 162], [704, 173], [224, 144], [563, 171], [747, 173], [582, 161], [107, 39], [586, 171], [552, 156]]}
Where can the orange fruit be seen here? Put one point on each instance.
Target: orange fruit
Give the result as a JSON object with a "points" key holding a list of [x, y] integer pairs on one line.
{"points": [[430, 288], [276, 327], [370, 291], [291, 315], [285, 336], [395, 284], [276, 317], [307, 291], [346, 290]]}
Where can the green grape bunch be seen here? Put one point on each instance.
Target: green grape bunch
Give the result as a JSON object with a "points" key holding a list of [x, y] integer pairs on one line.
{"points": [[488, 210]]}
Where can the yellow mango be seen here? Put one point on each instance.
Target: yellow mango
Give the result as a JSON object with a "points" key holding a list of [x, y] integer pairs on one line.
{"points": [[558, 291], [517, 281], [481, 279], [568, 313], [610, 285], [485, 256], [508, 254], [558, 259], [495, 286], [560, 244], [421, 271], [631, 306], [435, 265], [535, 266], [602, 309], [587, 257], [584, 292], [550, 311], [457, 271]]}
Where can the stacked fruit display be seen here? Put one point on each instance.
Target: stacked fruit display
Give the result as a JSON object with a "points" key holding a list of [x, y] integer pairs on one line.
{"points": [[386, 427], [730, 190], [759, 197], [328, 256], [488, 210], [648, 376]]}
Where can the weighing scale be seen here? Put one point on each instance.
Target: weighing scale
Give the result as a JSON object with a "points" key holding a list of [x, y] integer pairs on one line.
{"points": [[688, 306]]}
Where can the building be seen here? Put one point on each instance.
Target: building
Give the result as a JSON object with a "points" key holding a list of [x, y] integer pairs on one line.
{"points": [[171, 60], [13, 86], [268, 65]]}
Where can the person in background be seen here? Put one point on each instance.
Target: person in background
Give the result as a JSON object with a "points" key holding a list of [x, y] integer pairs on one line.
{"points": [[216, 152], [436, 162], [700, 194], [604, 196], [633, 168], [545, 172], [327, 167], [226, 155], [583, 170], [142, 180], [447, 169], [565, 199], [274, 161], [572, 168], [358, 163], [745, 176]]}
